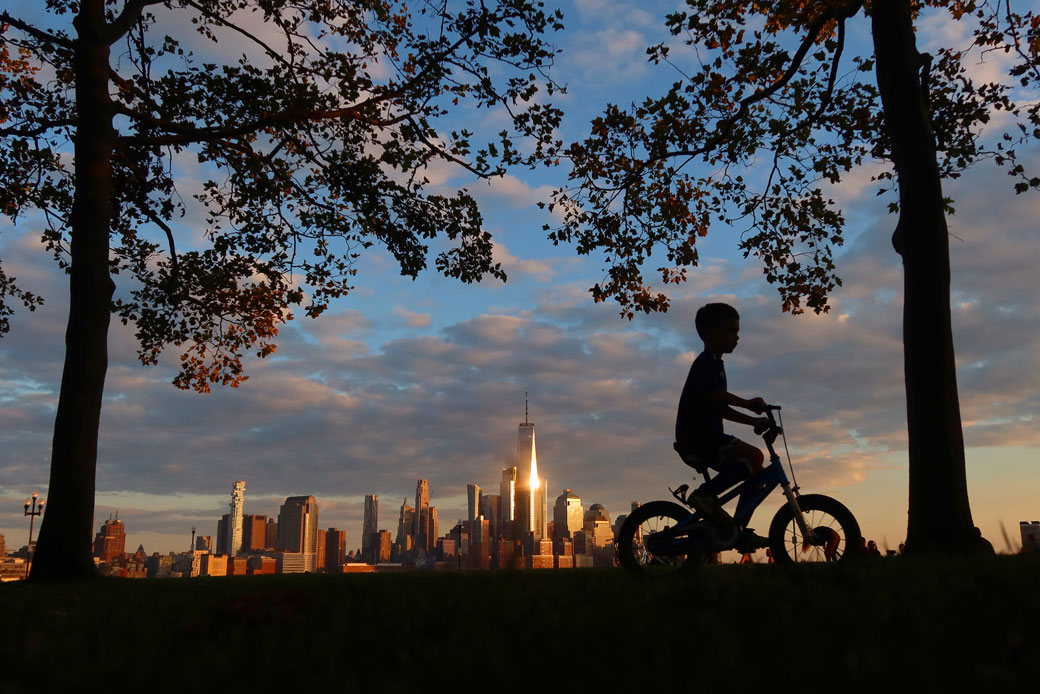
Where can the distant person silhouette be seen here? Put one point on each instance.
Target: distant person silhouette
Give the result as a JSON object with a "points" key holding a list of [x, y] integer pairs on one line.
{"points": [[705, 402]]}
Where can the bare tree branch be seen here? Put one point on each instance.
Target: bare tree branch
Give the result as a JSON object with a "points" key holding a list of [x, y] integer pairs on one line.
{"points": [[183, 133], [44, 126], [38, 34], [127, 18]]}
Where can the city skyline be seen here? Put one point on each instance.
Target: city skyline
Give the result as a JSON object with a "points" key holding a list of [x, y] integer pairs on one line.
{"points": [[476, 504], [404, 379]]}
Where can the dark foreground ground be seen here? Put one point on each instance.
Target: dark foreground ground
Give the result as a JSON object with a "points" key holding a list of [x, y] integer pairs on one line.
{"points": [[882, 625]]}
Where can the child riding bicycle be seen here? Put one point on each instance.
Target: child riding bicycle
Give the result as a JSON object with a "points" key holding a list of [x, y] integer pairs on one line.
{"points": [[705, 402]]}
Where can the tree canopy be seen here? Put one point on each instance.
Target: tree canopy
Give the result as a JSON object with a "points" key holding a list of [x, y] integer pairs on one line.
{"points": [[773, 103], [315, 122], [313, 126]]}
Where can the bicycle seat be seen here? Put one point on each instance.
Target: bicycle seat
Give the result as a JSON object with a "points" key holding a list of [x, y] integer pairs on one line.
{"points": [[693, 460]]}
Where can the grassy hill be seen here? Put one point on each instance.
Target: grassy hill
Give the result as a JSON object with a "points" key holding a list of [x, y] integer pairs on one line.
{"points": [[868, 626]]}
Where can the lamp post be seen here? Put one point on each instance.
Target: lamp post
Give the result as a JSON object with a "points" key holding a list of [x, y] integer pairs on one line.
{"points": [[33, 508]]}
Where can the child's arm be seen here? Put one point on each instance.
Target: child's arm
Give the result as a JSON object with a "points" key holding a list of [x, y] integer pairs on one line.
{"points": [[730, 401]]}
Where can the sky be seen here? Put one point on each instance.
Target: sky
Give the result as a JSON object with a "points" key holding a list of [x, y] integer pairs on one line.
{"points": [[407, 379]]}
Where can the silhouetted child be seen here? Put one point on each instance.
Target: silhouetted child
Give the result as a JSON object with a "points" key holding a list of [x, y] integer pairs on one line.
{"points": [[705, 402]]}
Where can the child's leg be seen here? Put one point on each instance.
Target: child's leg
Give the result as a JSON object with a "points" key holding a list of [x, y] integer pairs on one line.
{"points": [[739, 461], [752, 458]]}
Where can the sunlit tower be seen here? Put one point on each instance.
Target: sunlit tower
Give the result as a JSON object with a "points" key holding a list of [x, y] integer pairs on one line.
{"points": [[473, 501], [110, 541], [425, 534], [530, 510], [238, 498], [298, 529], [568, 516], [405, 526]]}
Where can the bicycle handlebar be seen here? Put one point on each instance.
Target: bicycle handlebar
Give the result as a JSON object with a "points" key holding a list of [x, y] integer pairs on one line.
{"points": [[772, 430]]}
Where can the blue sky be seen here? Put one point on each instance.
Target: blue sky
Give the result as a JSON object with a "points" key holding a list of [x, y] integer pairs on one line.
{"points": [[405, 379]]}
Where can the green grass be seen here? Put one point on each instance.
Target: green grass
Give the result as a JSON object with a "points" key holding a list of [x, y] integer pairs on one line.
{"points": [[936, 625]]}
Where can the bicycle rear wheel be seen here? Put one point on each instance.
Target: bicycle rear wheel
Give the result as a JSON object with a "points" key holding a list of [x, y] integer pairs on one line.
{"points": [[643, 522], [837, 534]]}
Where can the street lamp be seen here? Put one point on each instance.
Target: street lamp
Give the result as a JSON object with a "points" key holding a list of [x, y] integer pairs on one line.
{"points": [[33, 508]]}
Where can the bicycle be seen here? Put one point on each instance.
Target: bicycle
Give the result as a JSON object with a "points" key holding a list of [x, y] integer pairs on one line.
{"points": [[810, 527]]}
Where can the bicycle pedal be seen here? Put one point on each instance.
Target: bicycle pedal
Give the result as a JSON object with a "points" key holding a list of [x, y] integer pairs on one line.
{"points": [[680, 493]]}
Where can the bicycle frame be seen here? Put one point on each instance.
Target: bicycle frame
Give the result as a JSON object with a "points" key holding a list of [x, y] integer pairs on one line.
{"points": [[759, 486]]}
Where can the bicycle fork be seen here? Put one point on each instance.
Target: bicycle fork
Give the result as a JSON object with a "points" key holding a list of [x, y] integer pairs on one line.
{"points": [[792, 500]]}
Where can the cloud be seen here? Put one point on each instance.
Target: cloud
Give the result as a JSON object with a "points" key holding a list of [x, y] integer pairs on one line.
{"points": [[519, 268], [412, 319], [610, 56], [510, 191]]}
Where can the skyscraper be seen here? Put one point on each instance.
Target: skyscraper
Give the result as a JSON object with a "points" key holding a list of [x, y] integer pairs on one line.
{"points": [[254, 532], [298, 528], [223, 533], [110, 541], [489, 508], [380, 547], [473, 497], [507, 504], [238, 498], [425, 535], [335, 550], [530, 512], [272, 534], [568, 516], [371, 523], [405, 524]]}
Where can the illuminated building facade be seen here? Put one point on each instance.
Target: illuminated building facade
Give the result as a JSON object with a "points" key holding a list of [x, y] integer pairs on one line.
{"points": [[381, 547], [507, 503], [238, 499], [568, 515], [298, 530], [254, 533], [530, 512], [425, 534], [405, 524], [473, 501], [110, 541]]}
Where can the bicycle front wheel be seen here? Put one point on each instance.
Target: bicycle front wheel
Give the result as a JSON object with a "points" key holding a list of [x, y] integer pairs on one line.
{"points": [[836, 533], [643, 522]]}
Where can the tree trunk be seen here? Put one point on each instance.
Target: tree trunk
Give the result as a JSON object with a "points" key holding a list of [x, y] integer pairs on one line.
{"points": [[939, 513], [63, 551]]}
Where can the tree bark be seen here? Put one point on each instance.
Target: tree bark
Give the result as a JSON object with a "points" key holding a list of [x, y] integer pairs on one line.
{"points": [[63, 550], [939, 514]]}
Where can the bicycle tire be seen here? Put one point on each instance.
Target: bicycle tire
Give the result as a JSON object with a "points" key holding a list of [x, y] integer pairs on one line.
{"points": [[826, 516], [648, 518]]}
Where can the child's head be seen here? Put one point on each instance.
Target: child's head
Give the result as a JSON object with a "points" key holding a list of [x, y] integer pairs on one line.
{"points": [[718, 325]]}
